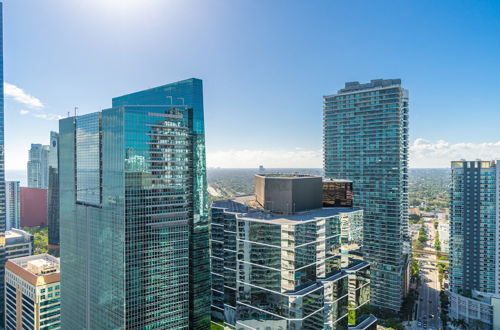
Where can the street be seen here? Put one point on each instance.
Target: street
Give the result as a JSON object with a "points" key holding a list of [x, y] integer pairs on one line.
{"points": [[428, 303]]}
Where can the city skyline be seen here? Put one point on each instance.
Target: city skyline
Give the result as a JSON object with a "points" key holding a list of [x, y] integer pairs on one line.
{"points": [[357, 116], [425, 44]]}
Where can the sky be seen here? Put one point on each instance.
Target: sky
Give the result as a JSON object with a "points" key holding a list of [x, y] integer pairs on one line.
{"points": [[265, 66]]}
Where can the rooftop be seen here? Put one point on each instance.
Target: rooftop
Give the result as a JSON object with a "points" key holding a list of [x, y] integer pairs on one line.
{"points": [[375, 83], [38, 270], [247, 208], [355, 86], [337, 180], [40, 264], [287, 175], [13, 233], [14, 236]]}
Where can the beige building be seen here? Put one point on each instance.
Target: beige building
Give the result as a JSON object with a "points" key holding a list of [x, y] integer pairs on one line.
{"points": [[32, 293]]}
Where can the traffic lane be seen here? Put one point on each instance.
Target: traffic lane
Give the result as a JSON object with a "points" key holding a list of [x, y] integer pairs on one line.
{"points": [[430, 298], [424, 295]]}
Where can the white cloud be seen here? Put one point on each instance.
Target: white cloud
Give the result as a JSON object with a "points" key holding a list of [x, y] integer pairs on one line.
{"points": [[424, 153], [48, 116], [23, 112], [271, 159], [19, 95]]}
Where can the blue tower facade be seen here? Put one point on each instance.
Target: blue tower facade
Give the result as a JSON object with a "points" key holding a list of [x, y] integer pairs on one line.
{"points": [[366, 141], [134, 218]]}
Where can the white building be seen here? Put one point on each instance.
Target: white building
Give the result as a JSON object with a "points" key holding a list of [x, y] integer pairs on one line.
{"points": [[38, 168], [32, 293], [18, 243], [444, 236], [482, 309], [12, 205]]}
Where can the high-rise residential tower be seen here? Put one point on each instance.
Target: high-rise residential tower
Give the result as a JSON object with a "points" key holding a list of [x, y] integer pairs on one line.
{"points": [[474, 242], [366, 141], [13, 204], [133, 216], [2, 172], [53, 196], [38, 169], [474, 227]]}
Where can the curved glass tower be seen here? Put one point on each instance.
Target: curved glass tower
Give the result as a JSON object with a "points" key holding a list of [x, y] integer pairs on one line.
{"points": [[134, 219]]}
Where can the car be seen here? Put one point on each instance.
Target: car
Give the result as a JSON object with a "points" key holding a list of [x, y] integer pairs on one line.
{"points": [[421, 298], [431, 316], [419, 324], [430, 301]]}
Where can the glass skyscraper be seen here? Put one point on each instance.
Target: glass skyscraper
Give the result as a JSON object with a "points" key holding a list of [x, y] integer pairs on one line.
{"points": [[12, 205], [53, 196], [474, 227], [366, 141], [2, 173], [38, 166], [134, 218], [282, 261]]}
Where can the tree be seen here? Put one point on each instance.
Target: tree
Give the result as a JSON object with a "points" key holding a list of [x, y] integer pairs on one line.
{"points": [[422, 235], [351, 318], [459, 323], [415, 218], [393, 324], [437, 243], [418, 245], [41, 238]]}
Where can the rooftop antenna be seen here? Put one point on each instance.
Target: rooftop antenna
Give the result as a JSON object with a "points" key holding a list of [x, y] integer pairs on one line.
{"points": [[171, 102], [76, 111], [68, 114]]}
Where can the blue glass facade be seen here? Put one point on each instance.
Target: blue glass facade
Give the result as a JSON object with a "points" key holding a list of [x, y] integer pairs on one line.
{"points": [[366, 141], [473, 226], [2, 171], [53, 196], [134, 224]]}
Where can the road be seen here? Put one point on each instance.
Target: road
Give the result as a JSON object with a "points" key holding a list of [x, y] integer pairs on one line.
{"points": [[429, 303]]}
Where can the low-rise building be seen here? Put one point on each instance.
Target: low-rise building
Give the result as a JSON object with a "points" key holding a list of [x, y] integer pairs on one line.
{"points": [[18, 243], [32, 293], [414, 210], [480, 310]]}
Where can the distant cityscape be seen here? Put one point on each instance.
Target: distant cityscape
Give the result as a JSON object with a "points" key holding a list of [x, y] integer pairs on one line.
{"points": [[117, 223]]}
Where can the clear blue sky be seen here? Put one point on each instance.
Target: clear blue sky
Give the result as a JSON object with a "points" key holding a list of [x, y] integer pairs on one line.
{"points": [[265, 67]]}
